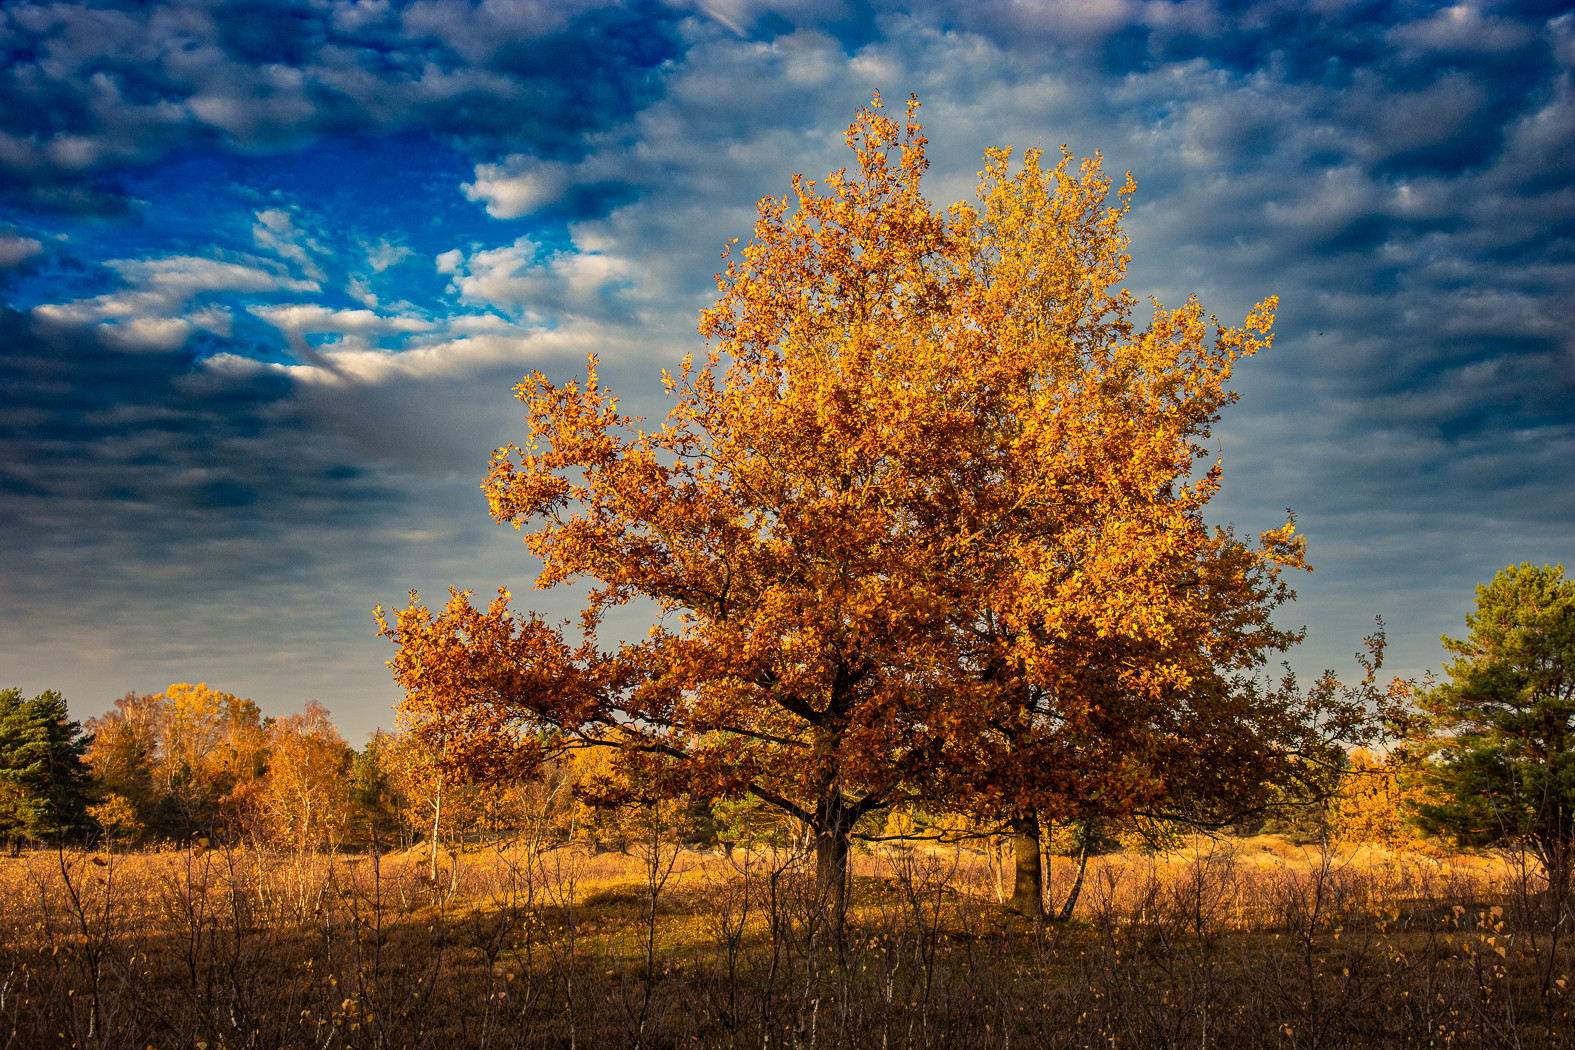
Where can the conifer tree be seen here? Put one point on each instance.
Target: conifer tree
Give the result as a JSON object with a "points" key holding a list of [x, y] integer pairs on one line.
{"points": [[44, 781], [1504, 724]]}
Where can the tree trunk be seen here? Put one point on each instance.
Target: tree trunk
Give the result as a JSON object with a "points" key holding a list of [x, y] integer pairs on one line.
{"points": [[1028, 890], [437, 813], [1556, 855], [1077, 883], [833, 826]]}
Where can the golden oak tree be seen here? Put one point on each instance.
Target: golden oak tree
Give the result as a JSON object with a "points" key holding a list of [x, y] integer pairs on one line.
{"points": [[767, 515], [924, 520]]}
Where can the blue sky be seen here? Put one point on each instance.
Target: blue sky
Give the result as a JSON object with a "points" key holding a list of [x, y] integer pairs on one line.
{"points": [[268, 272]]}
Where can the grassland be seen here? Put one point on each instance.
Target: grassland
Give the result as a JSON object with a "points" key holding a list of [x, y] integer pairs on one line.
{"points": [[1234, 942]]}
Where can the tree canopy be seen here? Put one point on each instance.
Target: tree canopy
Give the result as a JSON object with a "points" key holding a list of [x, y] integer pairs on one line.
{"points": [[925, 520]]}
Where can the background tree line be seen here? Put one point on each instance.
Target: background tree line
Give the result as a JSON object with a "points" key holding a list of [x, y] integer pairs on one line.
{"points": [[197, 762], [190, 761]]}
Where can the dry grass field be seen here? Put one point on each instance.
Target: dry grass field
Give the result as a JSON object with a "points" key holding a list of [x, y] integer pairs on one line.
{"points": [[1233, 942]]}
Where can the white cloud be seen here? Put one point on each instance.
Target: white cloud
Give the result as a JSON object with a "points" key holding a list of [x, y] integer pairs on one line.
{"points": [[16, 250], [275, 231], [248, 103], [1462, 27], [152, 313], [460, 353], [539, 285], [383, 254], [366, 347], [477, 31], [518, 186], [311, 319], [147, 333], [353, 334]]}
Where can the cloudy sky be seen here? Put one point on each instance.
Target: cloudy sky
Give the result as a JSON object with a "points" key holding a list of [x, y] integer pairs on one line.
{"points": [[269, 269]]}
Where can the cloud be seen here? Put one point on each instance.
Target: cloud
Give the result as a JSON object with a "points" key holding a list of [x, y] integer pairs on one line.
{"points": [[360, 324], [353, 335], [1399, 176], [162, 515], [540, 285], [384, 254], [518, 186], [154, 311], [14, 251], [86, 89], [275, 232], [1462, 28]]}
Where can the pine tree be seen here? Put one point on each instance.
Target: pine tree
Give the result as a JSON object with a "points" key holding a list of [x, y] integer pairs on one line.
{"points": [[1504, 742], [44, 781]]}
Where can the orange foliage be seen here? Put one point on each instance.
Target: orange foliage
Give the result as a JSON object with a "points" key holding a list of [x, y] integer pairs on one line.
{"points": [[1380, 796], [929, 496], [306, 802]]}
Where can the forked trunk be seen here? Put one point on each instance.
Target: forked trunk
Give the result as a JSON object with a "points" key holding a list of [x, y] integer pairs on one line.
{"points": [[1028, 889]]}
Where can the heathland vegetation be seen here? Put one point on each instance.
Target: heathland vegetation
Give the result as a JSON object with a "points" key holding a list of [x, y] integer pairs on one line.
{"points": [[539, 922], [936, 601]]}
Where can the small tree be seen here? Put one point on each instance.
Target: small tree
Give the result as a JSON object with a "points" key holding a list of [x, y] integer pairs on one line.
{"points": [[374, 814], [307, 798], [125, 742], [117, 817], [1380, 796], [1504, 724]]}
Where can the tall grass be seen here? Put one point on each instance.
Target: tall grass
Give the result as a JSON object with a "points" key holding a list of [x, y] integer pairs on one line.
{"points": [[517, 945]]}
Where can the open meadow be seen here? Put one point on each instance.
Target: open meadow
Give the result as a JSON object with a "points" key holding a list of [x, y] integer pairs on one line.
{"points": [[1234, 942]]}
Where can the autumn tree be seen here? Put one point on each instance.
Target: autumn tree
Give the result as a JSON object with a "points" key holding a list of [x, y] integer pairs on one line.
{"points": [[1380, 797], [212, 752], [611, 808], [1503, 725], [186, 759], [925, 515], [1106, 641], [762, 517], [433, 789], [307, 798], [121, 757]]}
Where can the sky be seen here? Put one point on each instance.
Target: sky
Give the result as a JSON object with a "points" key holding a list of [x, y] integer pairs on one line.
{"points": [[269, 270]]}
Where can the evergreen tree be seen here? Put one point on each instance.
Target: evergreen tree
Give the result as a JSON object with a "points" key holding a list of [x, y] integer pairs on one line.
{"points": [[1504, 742], [44, 781]]}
